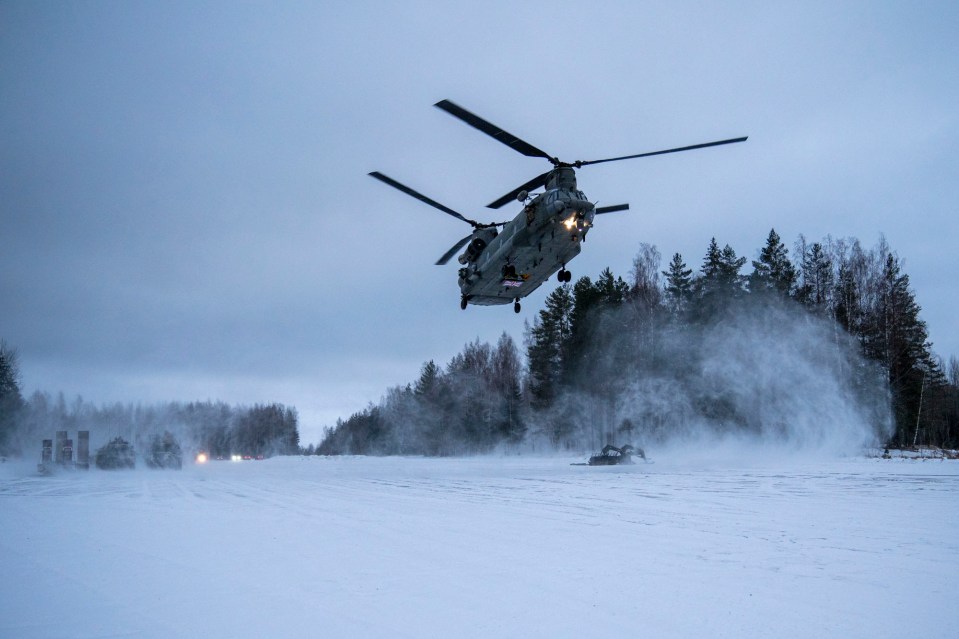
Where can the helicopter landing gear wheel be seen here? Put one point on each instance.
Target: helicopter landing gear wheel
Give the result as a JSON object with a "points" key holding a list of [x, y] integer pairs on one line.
{"points": [[463, 302], [564, 275], [516, 306]]}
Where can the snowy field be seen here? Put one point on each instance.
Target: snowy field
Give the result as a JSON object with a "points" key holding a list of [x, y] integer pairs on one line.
{"points": [[484, 547]]}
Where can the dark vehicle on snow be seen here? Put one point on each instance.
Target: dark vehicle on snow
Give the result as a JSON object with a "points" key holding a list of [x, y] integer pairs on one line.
{"points": [[612, 456]]}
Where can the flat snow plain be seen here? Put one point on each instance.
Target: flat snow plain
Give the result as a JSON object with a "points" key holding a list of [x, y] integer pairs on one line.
{"points": [[714, 546]]}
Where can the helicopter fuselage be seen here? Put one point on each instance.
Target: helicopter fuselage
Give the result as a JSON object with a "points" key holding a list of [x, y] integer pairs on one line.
{"points": [[547, 234], [499, 267]]}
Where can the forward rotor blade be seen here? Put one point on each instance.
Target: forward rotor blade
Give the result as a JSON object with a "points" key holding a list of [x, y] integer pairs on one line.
{"points": [[611, 209], [535, 183], [492, 130], [419, 196], [448, 254], [682, 148]]}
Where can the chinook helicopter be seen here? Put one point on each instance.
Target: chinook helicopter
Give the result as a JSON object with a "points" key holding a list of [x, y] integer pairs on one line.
{"points": [[503, 266]]}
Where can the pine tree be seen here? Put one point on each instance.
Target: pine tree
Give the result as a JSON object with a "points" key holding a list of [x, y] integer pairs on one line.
{"points": [[720, 282], [11, 401], [731, 280], [679, 286], [773, 271], [585, 298], [848, 310], [900, 343], [816, 282], [712, 264], [427, 383], [548, 341], [611, 291], [720, 271], [592, 304]]}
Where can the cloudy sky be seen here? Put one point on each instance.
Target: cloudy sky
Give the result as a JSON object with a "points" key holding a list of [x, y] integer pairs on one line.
{"points": [[185, 211]]}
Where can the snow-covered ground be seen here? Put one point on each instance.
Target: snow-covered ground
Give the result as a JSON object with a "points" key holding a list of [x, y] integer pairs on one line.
{"points": [[484, 547]]}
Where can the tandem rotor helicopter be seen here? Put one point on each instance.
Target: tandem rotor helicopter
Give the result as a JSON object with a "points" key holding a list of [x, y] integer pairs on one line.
{"points": [[499, 267]]}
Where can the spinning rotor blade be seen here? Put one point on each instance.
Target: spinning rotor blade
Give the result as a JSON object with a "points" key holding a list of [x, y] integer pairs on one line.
{"points": [[535, 183], [612, 209], [492, 130], [422, 198], [448, 254], [643, 155]]}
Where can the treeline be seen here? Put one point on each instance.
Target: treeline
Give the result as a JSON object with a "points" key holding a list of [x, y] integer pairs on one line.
{"points": [[216, 428], [474, 404], [824, 346]]}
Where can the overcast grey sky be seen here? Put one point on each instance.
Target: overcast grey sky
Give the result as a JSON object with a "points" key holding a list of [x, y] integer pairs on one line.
{"points": [[185, 211]]}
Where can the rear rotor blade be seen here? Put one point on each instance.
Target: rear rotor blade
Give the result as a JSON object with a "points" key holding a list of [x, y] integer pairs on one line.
{"points": [[535, 183], [419, 196], [448, 254], [492, 130], [612, 209], [682, 148]]}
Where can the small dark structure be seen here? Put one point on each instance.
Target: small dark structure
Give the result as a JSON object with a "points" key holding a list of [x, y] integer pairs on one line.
{"points": [[612, 456], [46, 457], [83, 450], [60, 449]]}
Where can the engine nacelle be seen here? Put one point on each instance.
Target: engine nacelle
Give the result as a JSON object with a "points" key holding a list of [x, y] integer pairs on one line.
{"points": [[481, 238]]}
